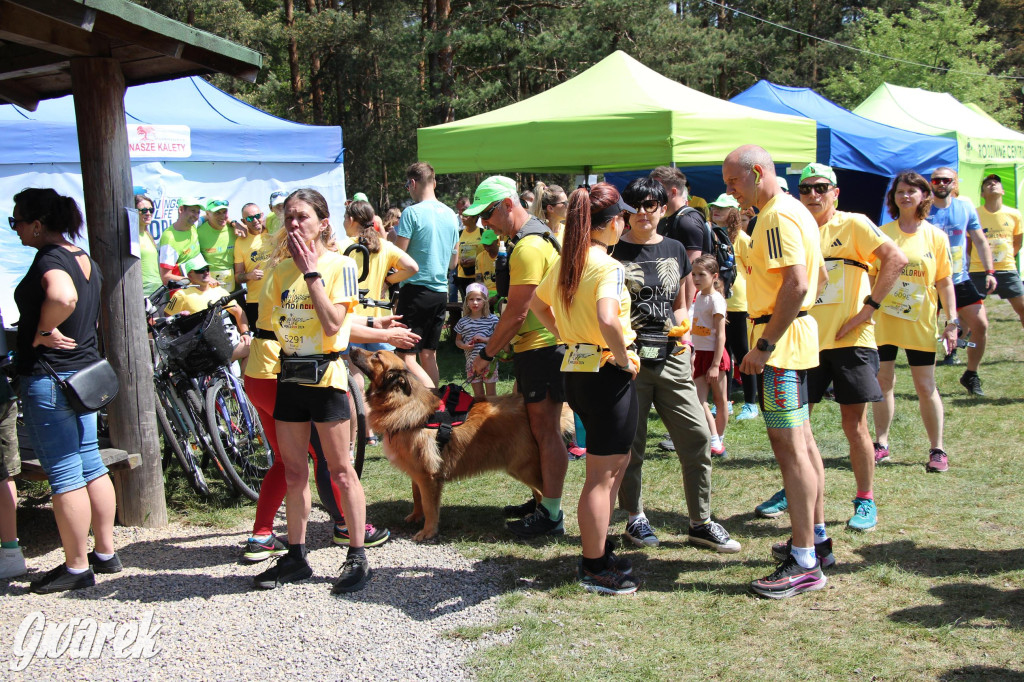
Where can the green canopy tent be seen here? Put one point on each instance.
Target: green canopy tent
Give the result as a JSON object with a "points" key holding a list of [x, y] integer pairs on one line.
{"points": [[983, 145], [616, 115]]}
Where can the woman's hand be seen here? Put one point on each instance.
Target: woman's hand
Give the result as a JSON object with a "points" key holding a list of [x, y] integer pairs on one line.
{"points": [[949, 337], [304, 255], [400, 337], [389, 322], [56, 340]]}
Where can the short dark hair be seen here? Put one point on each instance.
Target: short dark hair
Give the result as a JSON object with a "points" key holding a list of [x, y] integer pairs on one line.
{"points": [[988, 178], [57, 213], [669, 177], [421, 171], [641, 188], [914, 179]]}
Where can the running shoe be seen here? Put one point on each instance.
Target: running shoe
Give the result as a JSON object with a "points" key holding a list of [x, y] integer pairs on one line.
{"points": [[355, 573], [576, 452], [714, 409], [111, 565], [640, 533], [711, 534], [608, 581], [972, 382], [12, 563], [520, 510], [938, 461], [259, 550], [619, 563], [822, 550], [287, 569], [538, 523], [667, 445], [790, 579], [881, 453], [374, 536], [773, 506], [719, 451], [949, 360], [748, 411], [60, 579], [865, 515]]}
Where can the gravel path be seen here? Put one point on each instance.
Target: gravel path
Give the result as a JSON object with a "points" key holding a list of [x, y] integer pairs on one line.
{"points": [[214, 626]]}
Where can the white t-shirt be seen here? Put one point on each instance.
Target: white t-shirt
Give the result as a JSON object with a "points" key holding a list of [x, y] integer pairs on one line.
{"points": [[705, 307]]}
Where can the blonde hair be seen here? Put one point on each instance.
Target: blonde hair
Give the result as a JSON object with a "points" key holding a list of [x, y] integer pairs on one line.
{"points": [[475, 290]]}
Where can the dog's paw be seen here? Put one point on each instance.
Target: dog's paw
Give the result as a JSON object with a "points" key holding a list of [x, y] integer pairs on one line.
{"points": [[414, 518], [425, 536]]}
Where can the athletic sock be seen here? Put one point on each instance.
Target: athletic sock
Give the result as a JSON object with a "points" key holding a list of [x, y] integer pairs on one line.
{"points": [[297, 551], [103, 557], [553, 505], [634, 517], [77, 571], [595, 565], [869, 495], [261, 538], [819, 533], [804, 556], [716, 442], [13, 544]]}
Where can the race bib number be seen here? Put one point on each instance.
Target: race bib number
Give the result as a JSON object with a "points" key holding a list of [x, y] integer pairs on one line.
{"points": [[223, 276], [835, 286], [904, 301], [467, 251], [956, 255], [582, 357], [299, 331], [1000, 249]]}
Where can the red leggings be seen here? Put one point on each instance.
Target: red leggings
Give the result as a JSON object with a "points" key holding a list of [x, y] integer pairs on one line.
{"points": [[263, 393]]}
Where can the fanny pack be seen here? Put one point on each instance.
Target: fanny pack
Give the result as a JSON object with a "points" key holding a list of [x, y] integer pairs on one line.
{"points": [[305, 369], [89, 389], [653, 348]]}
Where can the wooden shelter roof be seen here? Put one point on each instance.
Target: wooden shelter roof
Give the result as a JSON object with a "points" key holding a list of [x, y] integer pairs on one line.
{"points": [[39, 38]]}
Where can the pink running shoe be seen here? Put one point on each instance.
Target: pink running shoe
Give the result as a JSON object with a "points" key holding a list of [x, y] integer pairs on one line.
{"points": [[938, 462], [881, 453]]}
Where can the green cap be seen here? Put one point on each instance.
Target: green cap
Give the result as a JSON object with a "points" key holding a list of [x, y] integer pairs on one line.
{"points": [[494, 188], [215, 204], [818, 170], [725, 201], [189, 201], [488, 237], [359, 196], [196, 262]]}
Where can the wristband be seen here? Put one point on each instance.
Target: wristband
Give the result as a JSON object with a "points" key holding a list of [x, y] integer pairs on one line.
{"points": [[990, 272], [369, 322], [311, 275], [483, 354], [45, 333], [872, 302]]}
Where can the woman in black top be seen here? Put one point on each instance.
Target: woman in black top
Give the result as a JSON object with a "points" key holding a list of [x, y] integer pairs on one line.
{"points": [[59, 300]]}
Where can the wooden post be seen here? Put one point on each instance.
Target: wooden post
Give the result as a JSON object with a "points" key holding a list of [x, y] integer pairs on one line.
{"points": [[98, 88]]}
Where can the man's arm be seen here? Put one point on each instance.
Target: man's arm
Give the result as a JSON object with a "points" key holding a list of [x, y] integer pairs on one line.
{"points": [[787, 305], [985, 256], [402, 243], [511, 320]]}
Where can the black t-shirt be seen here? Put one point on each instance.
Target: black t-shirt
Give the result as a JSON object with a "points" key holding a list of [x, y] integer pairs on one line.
{"points": [[653, 274], [80, 326], [687, 227]]}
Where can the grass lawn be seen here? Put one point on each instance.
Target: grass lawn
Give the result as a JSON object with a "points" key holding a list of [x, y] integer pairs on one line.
{"points": [[936, 592]]}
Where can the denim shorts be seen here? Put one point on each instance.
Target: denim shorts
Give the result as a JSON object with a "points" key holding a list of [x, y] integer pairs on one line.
{"points": [[63, 440]]}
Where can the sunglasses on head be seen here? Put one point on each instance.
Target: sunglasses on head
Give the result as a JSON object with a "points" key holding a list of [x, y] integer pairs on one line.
{"points": [[487, 213], [942, 181], [817, 187], [252, 218], [145, 210], [216, 205]]}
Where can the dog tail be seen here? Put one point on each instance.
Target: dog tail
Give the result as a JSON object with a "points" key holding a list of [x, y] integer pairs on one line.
{"points": [[567, 423]]}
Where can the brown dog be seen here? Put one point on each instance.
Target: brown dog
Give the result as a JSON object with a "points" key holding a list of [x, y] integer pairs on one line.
{"points": [[495, 436]]}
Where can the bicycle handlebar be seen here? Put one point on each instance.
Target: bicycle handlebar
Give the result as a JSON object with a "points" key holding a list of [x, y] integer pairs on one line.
{"points": [[366, 258]]}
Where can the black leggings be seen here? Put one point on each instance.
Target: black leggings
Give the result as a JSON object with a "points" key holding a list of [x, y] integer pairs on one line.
{"points": [[736, 344]]}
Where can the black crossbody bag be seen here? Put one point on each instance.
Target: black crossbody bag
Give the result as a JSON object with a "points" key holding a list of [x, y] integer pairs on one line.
{"points": [[89, 389]]}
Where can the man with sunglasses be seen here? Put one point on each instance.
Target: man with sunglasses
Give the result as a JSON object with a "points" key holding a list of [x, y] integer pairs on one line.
{"points": [[250, 257], [847, 354], [180, 243], [538, 356], [958, 219], [217, 242]]}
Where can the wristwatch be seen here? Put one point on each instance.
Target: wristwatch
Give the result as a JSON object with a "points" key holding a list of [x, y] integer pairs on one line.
{"points": [[369, 322], [311, 275], [483, 354], [955, 321], [872, 302], [42, 333], [763, 345]]}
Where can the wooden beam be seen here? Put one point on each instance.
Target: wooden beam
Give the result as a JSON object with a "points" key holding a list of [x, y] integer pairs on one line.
{"points": [[34, 63], [98, 86], [18, 94], [120, 30], [26, 27]]}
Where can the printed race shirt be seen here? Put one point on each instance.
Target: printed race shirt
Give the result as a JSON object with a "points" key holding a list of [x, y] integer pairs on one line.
{"points": [[956, 220], [176, 247], [1000, 229], [253, 251]]}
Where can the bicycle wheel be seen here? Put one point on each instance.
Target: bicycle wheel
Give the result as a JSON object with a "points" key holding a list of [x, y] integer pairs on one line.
{"points": [[238, 437], [196, 408], [181, 439], [359, 452]]}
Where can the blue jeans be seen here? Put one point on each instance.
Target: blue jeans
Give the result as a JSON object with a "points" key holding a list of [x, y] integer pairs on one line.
{"points": [[64, 441]]}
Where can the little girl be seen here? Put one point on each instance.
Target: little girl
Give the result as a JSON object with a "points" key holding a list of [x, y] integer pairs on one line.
{"points": [[473, 330], [710, 361]]}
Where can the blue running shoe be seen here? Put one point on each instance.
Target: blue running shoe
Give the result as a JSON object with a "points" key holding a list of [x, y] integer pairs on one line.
{"points": [[748, 411], [773, 506], [865, 515]]}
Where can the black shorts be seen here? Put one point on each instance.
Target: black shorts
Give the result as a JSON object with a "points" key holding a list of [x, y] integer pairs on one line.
{"points": [[298, 403], [915, 358], [1008, 284], [967, 294], [539, 374], [853, 371], [252, 313], [606, 403], [422, 310]]}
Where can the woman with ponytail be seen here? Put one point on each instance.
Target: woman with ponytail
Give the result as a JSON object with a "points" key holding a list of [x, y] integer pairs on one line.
{"points": [[584, 301], [550, 206]]}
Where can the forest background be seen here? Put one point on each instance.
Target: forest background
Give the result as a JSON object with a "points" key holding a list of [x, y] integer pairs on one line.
{"points": [[383, 68]]}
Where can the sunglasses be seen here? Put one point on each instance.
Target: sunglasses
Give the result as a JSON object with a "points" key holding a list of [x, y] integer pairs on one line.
{"points": [[14, 222], [486, 214], [252, 218], [942, 181], [202, 271], [648, 206], [818, 188], [214, 205], [145, 210]]}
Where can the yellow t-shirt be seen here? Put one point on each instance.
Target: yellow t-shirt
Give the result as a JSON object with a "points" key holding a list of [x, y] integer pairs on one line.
{"points": [[264, 360], [469, 247], [293, 319], [1000, 229], [376, 287], [191, 300], [603, 277], [272, 223], [532, 258], [253, 251], [908, 315], [853, 237], [786, 235], [485, 272], [737, 301]]}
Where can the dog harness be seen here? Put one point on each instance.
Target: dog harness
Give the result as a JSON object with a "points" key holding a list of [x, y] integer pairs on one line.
{"points": [[455, 404]]}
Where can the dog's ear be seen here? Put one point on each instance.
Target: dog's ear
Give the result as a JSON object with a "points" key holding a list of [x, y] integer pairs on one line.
{"points": [[399, 378]]}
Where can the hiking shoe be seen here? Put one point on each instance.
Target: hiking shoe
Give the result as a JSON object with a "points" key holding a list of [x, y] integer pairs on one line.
{"points": [[949, 360], [111, 565], [790, 579], [520, 510], [822, 550], [259, 550], [288, 569], [938, 462], [773, 506], [374, 537], [972, 382], [608, 581], [640, 533], [12, 563], [61, 580], [712, 535], [881, 453], [576, 452], [355, 573], [538, 523], [748, 411], [865, 515], [667, 445]]}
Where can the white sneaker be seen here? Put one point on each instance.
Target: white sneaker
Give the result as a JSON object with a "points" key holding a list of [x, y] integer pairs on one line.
{"points": [[12, 563]]}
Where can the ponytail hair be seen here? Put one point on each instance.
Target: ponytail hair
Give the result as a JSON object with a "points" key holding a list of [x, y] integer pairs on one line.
{"points": [[576, 239], [57, 213], [362, 213], [544, 196]]}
